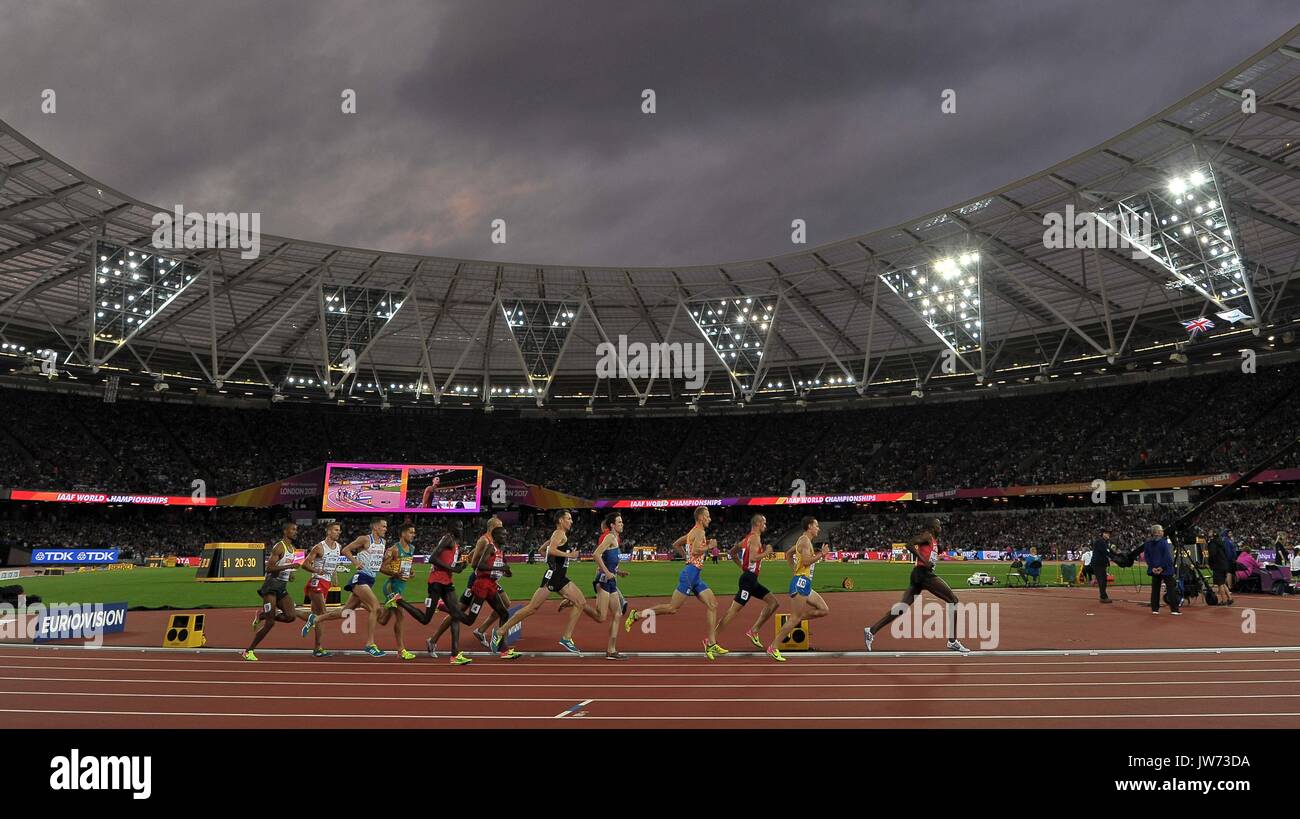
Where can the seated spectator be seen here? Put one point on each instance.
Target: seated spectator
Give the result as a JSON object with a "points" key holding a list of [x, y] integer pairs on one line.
{"points": [[1033, 565], [1247, 565]]}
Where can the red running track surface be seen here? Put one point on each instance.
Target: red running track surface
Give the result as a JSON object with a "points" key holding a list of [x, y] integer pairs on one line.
{"points": [[67, 688]]}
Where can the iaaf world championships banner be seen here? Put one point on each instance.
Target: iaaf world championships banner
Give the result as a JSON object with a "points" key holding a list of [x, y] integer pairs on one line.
{"points": [[105, 497]]}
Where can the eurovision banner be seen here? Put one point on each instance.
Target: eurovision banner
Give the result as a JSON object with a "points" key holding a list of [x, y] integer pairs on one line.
{"points": [[280, 493]]}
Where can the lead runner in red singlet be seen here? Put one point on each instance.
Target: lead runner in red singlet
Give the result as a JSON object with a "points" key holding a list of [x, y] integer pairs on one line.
{"points": [[923, 578], [749, 555], [445, 558]]}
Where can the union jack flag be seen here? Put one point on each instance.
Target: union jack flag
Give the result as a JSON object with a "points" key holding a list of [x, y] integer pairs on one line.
{"points": [[1198, 325]]}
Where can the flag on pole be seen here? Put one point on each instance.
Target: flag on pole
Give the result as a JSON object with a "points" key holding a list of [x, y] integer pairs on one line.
{"points": [[1234, 315], [1198, 325]]}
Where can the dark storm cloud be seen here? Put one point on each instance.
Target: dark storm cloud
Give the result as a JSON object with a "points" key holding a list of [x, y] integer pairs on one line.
{"points": [[531, 111]]}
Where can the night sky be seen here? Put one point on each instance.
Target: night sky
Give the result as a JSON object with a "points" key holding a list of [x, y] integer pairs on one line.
{"points": [[531, 111]]}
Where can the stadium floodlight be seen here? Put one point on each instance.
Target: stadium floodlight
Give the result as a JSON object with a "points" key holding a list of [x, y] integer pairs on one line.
{"points": [[352, 318], [540, 329], [737, 329], [1184, 225], [124, 304], [947, 295]]}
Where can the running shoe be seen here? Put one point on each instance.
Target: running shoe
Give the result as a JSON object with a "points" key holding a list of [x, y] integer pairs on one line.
{"points": [[406, 655], [720, 650], [495, 645], [954, 645], [429, 647], [753, 638], [311, 622], [569, 646], [631, 618], [461, 659], [482, 638], [1176, 613], [615, 656], [250, 656], [320, 652], [510, 654], [708, 652], [257, 621], [391, 602], [774, 653], [868, 638], [374, 650]]}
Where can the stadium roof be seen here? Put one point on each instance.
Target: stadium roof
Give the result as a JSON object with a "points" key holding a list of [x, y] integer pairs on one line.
{"points": [[464, 331]]}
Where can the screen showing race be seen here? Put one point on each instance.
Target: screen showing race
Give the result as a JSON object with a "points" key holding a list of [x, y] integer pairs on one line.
{"points": [[402, 488]]}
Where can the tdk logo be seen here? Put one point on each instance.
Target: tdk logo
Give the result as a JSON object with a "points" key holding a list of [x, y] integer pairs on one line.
{"points": [[98, 556], [102, 773]]}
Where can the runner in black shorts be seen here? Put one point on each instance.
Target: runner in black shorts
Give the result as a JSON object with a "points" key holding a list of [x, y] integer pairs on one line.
{"points": [[749, 555], [274, 592], [467, 598], [556, 579], [923, 578]]}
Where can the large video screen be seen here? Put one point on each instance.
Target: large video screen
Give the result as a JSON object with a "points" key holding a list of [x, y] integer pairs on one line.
{"points": [[402, 488]]}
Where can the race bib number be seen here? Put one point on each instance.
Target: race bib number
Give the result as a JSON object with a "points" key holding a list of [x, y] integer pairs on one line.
{"points": [[802, 583], [744, 596], [406, 566], [549, 573]]}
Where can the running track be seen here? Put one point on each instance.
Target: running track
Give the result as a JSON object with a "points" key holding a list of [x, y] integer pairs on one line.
{"points": [[112, 688]]}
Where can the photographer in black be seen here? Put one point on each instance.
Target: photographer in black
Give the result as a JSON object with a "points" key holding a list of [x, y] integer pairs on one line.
{"points": [[1220, 567], [1100, 562]]}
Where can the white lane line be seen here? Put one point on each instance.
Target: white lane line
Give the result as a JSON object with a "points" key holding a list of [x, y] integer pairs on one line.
{"points": [[658, 700], [315, 674], [1003, 718], [726, 686], [423, 667], [810, 655]]}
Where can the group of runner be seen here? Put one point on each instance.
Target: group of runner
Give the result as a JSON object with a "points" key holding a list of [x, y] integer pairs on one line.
{"points": [[372, 558]]}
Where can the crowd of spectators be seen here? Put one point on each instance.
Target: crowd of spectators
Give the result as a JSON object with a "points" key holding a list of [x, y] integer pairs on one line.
{"points": [[1054, 533], [1215, 422]]}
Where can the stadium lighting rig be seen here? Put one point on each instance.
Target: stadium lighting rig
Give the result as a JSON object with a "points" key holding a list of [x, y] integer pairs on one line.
{"points": [[947, 295], [540, 329], [351, 319], [129, 288], [1184, 226], [738, 329]]}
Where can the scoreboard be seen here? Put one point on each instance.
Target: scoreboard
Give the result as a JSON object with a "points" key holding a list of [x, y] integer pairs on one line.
{"points": [[231, 561]]}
